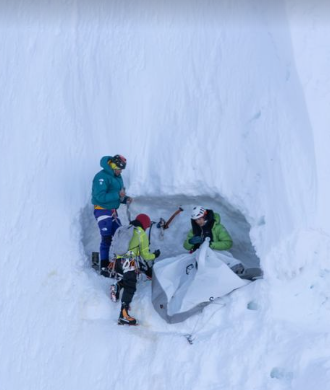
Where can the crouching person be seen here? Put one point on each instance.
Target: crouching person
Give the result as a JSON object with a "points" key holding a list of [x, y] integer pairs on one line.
{"points": [[206, 223], [128, 266]]}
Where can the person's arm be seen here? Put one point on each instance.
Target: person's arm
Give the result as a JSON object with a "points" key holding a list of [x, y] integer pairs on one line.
{"points": [[186, 244], [126, 200], [221, 239], [144, 246], [123, 197]]}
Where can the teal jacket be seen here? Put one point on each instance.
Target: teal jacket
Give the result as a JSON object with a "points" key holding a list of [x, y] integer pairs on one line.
{"points": [[220, 239], [106, 186]]}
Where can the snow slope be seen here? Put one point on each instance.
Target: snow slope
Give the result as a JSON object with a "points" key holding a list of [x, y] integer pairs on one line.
{"points": [[209, 101]]}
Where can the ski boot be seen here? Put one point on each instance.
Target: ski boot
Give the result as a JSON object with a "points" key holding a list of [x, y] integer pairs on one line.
{"points": [[238, 269], [105, 272], [115, 291], [124, 317], [96, 261], [104, 268]]}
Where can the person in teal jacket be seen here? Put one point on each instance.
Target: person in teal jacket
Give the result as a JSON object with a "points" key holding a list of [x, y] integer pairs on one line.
{"points": [[128, 265], [108, 192], [206, 223]]}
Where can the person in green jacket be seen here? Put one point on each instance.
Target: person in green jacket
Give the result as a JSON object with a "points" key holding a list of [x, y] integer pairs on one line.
{"points": [[138, 258], [206, 223], [108, 192]]}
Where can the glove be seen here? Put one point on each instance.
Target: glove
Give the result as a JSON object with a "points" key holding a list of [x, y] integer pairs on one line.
{"points": [[195, 240], [157, 253], [126, 200], [129, 200]]}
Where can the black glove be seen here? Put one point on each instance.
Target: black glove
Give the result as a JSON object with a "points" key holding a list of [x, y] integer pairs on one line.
{"points": [[127, 200], [157, 253], [195, 240]]}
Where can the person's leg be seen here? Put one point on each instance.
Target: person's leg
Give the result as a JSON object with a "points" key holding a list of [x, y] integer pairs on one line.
{"points": [[104, 250], [116, 288], [148, 272], [146, 267], [108, 224], [129, 284]]}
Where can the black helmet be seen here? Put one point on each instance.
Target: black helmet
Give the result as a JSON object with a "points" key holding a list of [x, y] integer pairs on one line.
{"points": [[120, 161]]}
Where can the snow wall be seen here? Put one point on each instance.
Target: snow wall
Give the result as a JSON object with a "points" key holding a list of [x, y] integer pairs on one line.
{"points": [[202, 99], [87, 78]]}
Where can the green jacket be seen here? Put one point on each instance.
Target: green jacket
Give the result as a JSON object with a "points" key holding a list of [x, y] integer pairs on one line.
{"points": [[139, 244], [106, 187], [221, 239]]}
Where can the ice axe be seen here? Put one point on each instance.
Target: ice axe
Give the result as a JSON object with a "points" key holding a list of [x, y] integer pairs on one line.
{"points": [[162, 224]]}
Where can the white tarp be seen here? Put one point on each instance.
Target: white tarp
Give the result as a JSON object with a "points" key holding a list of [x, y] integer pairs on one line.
{"points": [[185, 284]]}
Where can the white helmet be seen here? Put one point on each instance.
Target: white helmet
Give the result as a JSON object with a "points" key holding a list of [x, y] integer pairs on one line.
{"points": [[198, 212]]}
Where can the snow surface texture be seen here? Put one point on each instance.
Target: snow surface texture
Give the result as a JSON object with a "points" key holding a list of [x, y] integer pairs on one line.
{"points": [[223, 101]]}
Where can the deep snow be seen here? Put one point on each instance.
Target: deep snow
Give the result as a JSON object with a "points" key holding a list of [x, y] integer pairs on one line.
{"points": [[225, 103]]}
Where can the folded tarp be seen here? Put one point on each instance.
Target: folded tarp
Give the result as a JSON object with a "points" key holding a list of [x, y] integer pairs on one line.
{"points": [[185, 284]]}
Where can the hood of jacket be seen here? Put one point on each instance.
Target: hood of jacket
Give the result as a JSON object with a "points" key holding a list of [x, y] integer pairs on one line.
{"points": [[104, 164], [216, 217]]}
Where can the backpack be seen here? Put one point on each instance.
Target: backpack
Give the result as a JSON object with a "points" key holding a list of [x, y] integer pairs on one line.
{"points": [[120, 240]]}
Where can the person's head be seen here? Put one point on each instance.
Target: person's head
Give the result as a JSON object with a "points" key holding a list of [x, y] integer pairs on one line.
{"points": [[199, 215], [117, 163], [144, 221]]}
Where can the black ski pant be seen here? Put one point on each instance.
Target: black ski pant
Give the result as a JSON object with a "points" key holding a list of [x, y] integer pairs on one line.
{"points": [[128, 282], [146, 268], [129, 285]]}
